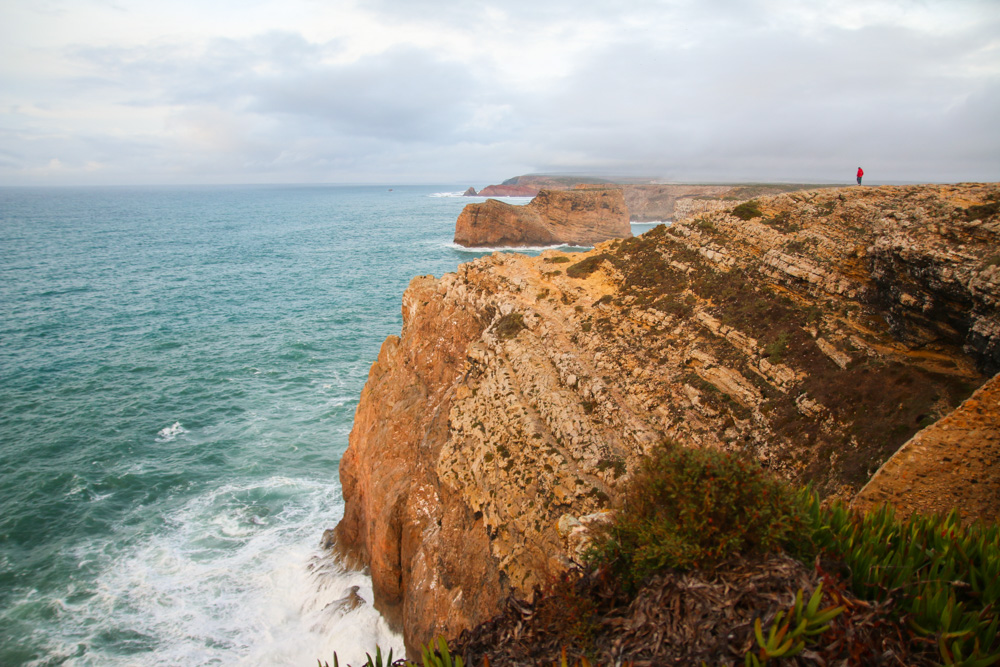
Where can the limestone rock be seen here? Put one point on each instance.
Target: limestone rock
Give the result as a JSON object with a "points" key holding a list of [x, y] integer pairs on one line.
{"points": [[954, 463], [551, 218], [523, 389]]}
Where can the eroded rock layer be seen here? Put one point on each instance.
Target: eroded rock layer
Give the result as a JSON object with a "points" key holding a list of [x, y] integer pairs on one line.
{"points": [[553, 217], [816, 337]]}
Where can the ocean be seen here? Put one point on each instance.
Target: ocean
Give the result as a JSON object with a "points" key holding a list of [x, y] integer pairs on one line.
{"points": [[179, 370]]}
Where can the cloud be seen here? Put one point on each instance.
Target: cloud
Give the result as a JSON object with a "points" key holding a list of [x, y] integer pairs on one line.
{"points": [[404, 94], [344, 91]]}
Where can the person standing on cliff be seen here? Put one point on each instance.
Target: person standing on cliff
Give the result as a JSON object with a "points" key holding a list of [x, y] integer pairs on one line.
{"points": [[861, 172]]}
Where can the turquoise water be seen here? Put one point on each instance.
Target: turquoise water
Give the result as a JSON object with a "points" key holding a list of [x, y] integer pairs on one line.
{"points": [[179, 368]]}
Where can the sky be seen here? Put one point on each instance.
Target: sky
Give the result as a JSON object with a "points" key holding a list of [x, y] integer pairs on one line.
{"points": [[473, 92]]}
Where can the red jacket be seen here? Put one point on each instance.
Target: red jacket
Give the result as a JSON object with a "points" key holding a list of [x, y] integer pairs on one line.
{"points": [[860, 172]]}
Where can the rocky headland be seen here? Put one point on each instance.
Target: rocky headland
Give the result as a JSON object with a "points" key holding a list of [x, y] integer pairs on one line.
{"points": [[646, 202], [507, 191], [553, 217], [815, 332]]}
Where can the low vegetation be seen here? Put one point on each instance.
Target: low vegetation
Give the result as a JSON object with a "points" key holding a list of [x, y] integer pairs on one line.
{"points": [[509, 325], [585, 267], [748, 210], [692, 508], [712, 561]]}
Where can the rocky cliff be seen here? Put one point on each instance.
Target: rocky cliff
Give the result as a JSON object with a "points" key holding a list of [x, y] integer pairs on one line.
{"points": [[551, 218], [815, 332], [656, 203], [509, 191], [646, 202]]}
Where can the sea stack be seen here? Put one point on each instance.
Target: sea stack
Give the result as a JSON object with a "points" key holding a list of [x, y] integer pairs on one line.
{"points": [[553, 217]]}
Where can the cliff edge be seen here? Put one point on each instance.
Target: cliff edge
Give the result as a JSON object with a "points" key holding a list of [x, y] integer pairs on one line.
{"points": [[815, 332], [551, 218]]}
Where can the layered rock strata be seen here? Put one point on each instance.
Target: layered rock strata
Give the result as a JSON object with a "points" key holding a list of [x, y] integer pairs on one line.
{"points": [[551, 218], [816, 337]]}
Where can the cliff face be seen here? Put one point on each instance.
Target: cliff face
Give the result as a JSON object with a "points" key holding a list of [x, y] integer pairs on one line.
{"points": [[817, 337], [551, 218]]}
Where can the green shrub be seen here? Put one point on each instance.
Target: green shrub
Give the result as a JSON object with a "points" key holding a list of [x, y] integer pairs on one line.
{"points": [[432, 655], [509, 325], [776, 350], [748, 210], [558, 259], [802, 625], [982, 211], [944, 577], [585, 267], [691, 508]]}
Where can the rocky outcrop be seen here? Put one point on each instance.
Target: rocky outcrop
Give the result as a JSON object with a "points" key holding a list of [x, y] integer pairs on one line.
{"points": [[509, 191], [954, 463], [816, 337], [646, 202], [471, 192], [551, 218]]}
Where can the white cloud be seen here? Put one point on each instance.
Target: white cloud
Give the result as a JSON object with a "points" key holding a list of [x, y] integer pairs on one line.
{"points": [[136, 91]]}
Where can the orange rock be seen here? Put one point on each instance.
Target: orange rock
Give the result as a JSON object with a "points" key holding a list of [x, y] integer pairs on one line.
{"points": [[553, 217], [522, 389], [955, 463]]}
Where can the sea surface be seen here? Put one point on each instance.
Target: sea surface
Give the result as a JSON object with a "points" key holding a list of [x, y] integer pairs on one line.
{"points": [[179, 370]]}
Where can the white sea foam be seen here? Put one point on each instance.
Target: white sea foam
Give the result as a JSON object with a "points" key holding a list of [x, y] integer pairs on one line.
{"points": [[235, 576], [337, 401], [170, 432], [510, 199], [519, 249]]}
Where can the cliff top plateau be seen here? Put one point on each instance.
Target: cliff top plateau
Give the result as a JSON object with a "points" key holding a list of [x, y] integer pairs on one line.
{"points": [[815, 332]]}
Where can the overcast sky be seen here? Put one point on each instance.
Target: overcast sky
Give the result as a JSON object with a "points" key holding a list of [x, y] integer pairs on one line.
{"points": [[470, 92]]}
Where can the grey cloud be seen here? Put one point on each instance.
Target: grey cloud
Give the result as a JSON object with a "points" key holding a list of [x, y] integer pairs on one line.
{"points": [[404, 94], [754, 102], [711, 89]]}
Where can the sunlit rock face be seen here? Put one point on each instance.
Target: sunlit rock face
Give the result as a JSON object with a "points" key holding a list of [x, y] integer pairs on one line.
{"points": [[816, 336], [553, 217]]}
